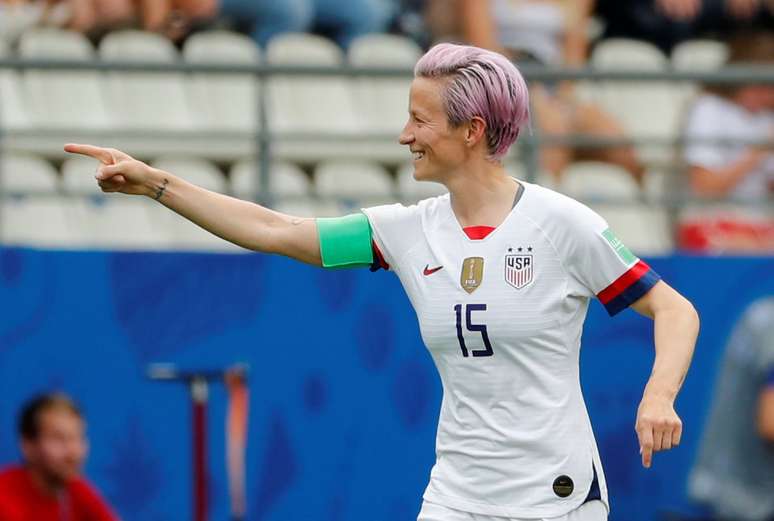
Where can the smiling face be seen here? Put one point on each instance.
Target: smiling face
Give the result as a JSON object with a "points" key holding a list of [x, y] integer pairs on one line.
{"points": [[437, 147]]}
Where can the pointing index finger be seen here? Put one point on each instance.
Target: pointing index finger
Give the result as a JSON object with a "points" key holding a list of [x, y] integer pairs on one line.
{"points": [[99, 153]]}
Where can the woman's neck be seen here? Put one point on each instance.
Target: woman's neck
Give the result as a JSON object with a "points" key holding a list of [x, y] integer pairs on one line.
{"points": [[482, 195]]}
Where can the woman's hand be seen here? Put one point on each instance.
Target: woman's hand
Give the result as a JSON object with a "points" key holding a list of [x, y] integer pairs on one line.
{"points": [[117, 172], [658, 426]]}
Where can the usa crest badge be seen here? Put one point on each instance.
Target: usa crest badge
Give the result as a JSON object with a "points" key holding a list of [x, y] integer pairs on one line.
{"points": [[519, 269]]}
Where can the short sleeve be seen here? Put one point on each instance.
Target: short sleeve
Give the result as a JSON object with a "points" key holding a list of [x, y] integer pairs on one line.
{"points": [[395, 228], [705, 121], [600, 265]]}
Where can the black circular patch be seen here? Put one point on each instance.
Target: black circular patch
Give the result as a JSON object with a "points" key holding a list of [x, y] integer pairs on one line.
{"points": [[563, 486]]}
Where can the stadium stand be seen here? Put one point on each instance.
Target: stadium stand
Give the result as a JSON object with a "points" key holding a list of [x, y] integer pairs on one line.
{"points": [[652, 110], [21, 214], [354, 184], [309, 104], [62, 99], [223, 102], [287, 180], [586, 180], [411, 190], [13, 115]]}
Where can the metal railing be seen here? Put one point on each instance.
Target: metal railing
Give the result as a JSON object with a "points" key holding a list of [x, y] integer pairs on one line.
{"points": [[529, 143]]}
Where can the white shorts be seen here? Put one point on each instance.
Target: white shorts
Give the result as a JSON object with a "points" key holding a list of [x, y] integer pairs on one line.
{"points": [[591, 511]]}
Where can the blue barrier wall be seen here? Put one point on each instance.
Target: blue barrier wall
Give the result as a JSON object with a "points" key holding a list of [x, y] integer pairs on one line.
{"points": [[344, 397]]}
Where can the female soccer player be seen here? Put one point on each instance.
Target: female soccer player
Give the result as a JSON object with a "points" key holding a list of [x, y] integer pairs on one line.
{"points": [[500, 273]]}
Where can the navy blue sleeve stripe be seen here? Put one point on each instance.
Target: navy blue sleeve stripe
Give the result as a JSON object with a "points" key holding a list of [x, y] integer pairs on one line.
{"points": [[633, 293]]}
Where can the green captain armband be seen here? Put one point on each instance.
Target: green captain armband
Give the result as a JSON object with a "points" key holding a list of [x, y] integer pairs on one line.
{"points": [[345, 242]]}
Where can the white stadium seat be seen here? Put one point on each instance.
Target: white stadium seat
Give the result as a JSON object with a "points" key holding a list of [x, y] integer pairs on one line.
{"points": [[308, 207], [78, 175], [411, 190], [287, 180], [699, 55], [383, 102], [13, 113], [22, 172], [116, 222], [310, 104], [223, 101], [587, 180], [646, 110], [20, 223], [63, 99], [145, 100], [354, 184], [643, 229], [196, 171], [176, 232]]}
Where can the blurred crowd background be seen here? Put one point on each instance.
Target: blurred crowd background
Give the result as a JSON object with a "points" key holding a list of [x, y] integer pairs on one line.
{"points": [[659, 114], [652, 154]]}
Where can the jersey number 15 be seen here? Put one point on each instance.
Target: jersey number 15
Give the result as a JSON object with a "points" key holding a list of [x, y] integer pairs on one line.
{"points": [[478, 328]]}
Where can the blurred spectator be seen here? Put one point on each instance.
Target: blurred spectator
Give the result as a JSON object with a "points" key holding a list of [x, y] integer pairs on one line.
{"points": [[551, 32], [668, 22], [734, 472], [48, 486], [342, 20], [738, 171]]}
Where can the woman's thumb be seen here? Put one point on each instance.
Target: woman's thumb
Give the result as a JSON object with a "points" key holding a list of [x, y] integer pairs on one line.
{"points": [[108, 171]]}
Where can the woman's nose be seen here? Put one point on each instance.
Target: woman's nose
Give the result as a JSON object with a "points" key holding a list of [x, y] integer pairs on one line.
{"points": [[406, 136]]}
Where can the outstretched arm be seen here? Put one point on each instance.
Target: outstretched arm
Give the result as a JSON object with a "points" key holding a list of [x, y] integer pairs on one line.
{"points": [[676, 326], [243, 223]]}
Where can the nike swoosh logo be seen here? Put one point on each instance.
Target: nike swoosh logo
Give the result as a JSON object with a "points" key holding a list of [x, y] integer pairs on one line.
{"points": [[429, 271]]}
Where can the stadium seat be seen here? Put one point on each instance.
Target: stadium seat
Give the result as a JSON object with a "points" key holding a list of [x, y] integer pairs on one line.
{"points": [[699, 55], [642, 228], [13, 113], [21, 218], [287, 180], [196, 171], [354, 184], [645, 109], [382, 102], [310, 104], [589, 180], [411, 190], [309, 207], [63, 99], [78, 175], [144, 100], [27, 173], [178, 233], [223, 101], [116, 222]]}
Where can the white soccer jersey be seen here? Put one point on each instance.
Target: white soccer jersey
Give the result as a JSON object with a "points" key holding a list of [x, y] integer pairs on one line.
{"points": [[502, 319]]}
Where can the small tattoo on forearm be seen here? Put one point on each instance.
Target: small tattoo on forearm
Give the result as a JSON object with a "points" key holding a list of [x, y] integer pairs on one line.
{"points": [[160, 190]]}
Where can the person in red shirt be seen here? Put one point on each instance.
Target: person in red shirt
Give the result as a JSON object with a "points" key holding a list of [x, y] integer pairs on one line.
{"points": [[49, 486]]}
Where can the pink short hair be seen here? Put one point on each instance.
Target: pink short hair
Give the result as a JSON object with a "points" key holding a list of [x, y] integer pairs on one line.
{"points": [[480, 83]]}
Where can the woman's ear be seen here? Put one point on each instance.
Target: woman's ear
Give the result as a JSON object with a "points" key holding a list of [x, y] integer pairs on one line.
{"points": [[476, 131]]}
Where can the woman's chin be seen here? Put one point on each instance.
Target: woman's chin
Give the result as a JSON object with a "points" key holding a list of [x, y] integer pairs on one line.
{"points": [[421, 175]]}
